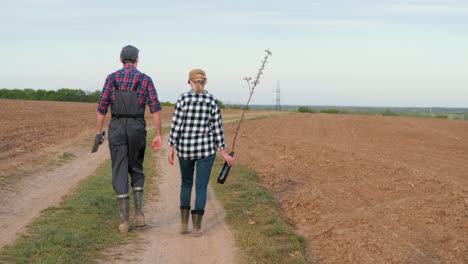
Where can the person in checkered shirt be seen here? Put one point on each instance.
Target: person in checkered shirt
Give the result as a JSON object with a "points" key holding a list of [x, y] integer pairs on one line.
{"points": [[196, 134]]}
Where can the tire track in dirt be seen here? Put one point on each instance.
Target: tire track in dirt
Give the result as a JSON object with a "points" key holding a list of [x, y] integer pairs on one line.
{"points": [[24, 200], [160, 241]]}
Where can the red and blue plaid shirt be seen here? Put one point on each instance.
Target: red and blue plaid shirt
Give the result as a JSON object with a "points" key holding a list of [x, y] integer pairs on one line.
{"points": [[126, 79]]}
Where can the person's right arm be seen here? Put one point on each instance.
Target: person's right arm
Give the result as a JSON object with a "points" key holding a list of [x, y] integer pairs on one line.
{"points": [[218, 132], [103, 106], [100, 122], [176, 126]]}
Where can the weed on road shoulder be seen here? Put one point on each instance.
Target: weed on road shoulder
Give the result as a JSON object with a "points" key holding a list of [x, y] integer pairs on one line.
{"points": [[255, 219]]}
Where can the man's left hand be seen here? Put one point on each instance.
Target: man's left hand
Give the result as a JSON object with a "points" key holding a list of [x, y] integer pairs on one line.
{"points": [[156, 144]]}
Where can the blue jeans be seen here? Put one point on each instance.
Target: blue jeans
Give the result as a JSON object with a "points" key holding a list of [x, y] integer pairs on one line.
{"points": [[187, 167]]}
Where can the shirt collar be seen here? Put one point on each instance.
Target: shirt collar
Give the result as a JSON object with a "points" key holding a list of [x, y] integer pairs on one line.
{"points": [[129, 66]]}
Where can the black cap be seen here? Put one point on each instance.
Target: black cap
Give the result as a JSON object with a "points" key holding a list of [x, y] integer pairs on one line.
{"points": [[129, 52]]}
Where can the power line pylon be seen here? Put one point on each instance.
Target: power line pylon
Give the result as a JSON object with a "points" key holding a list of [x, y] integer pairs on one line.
{"points": [[278, 96]]}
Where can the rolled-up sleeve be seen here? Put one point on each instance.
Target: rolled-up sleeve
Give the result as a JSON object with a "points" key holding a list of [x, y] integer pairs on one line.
{"points": [[104, 99], [176, 125], [217, 125], [153, 101]]}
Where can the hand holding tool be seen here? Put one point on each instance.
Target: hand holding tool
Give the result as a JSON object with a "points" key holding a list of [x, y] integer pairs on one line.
{"points": [[98, 140]]}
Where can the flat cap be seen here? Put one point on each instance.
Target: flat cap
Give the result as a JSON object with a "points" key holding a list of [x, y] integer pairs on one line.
{"points": [[129, 52]]}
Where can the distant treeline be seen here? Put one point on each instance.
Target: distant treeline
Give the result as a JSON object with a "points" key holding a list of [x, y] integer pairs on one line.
{"points": [[64, 94]]}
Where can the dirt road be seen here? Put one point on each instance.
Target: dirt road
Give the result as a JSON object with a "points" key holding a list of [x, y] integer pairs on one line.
{"points": [[161, 241], [25, 199]]}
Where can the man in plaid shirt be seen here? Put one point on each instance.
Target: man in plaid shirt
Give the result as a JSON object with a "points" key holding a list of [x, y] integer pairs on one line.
{"points": [[127, 91]]}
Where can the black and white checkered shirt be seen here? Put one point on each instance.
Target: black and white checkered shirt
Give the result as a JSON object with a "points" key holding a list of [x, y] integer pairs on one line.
{"points": [[197, 126]]}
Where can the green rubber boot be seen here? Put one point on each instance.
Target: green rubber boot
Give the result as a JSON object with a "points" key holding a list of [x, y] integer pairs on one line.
{"points": [[139, 215], [124, 208], [197, 217], [184, 218]]}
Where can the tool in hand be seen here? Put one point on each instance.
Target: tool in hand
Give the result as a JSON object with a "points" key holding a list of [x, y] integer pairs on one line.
{"points": [[98, 140]]}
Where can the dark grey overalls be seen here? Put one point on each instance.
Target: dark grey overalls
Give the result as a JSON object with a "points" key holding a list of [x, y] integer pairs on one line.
{"points": [[127, 139]]}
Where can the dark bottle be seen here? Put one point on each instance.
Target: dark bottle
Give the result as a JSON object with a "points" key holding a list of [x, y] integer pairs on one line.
{"points": [[225, 171]]}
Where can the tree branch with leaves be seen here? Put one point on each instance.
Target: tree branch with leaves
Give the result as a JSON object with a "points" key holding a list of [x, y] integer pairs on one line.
{"points": [[252, 85]]}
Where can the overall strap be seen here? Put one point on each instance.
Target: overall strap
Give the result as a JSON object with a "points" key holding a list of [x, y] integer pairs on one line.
{"points": [[140, 80], [116, 86]]}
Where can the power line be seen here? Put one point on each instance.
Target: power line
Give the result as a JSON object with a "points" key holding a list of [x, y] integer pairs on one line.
{"points": [[278, 96]]}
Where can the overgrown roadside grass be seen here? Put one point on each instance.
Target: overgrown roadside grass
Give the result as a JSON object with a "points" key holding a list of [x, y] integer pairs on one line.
{"points": [[256, 220], [77, 230]]}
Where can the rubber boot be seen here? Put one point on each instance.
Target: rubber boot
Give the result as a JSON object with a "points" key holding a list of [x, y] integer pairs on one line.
{"points": [[124, 208], [139, 216], [197, 217], [184, 218]]}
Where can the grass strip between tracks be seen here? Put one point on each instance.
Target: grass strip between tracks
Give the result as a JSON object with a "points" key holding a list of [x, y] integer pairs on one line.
{"points": [[85, 222], [256, 220]]}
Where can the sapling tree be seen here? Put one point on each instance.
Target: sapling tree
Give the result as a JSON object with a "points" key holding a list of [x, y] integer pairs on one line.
{"points": [[251, 84]]}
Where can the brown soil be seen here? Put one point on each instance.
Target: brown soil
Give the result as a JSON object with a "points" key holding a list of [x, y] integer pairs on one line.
{"points": [[366, 189], [31, 131], [32, 137]]}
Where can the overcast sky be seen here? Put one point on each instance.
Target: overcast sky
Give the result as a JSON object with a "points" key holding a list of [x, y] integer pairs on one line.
{"points": [[355, 52]]}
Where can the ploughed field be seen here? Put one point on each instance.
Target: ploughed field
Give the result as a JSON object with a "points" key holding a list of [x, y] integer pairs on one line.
{"points": [[30, 128], [366, 189], [363, 189]]}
